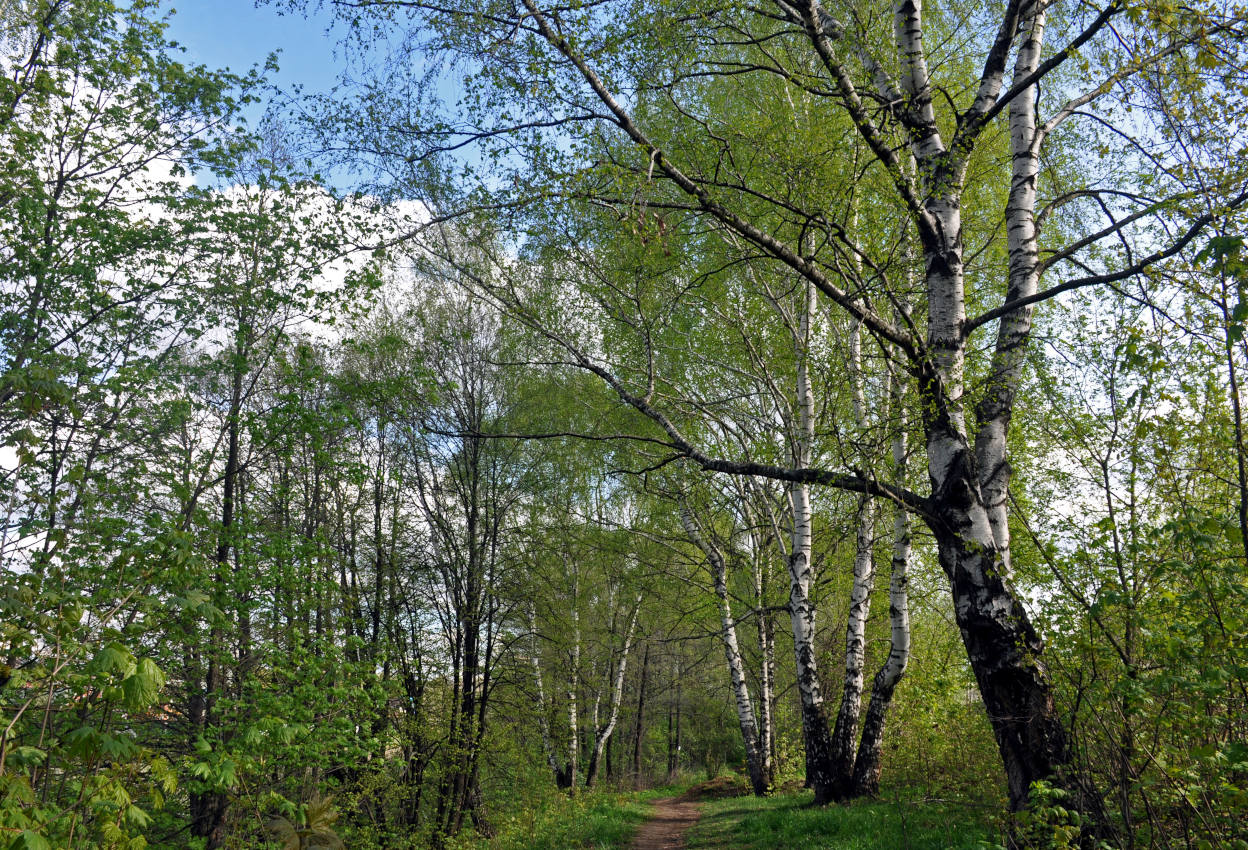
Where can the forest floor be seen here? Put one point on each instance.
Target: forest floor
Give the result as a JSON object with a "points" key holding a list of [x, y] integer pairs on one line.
{"points": [[667, 826], [720, 815], [790, 820]]}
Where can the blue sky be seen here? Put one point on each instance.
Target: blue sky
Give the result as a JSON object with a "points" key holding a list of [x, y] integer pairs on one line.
{"points": [[237, 35]]}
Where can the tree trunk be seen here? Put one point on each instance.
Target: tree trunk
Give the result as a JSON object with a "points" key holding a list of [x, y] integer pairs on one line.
{"points": [[574, 745], [208, 809], [543, 723], [673, 732], [732, 651], [820, 769], [766, 631], [639, 725], [603, 733], [866, 778], [845, 732], [766, 677]]}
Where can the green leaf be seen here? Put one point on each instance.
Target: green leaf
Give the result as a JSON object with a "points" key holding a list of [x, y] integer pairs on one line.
{"points": [[112, 658], [141, 688], [28, 840], [26, 756]]}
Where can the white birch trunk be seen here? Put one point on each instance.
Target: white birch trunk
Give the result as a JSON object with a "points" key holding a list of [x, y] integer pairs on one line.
{"points": [[543, 723], [996, 407], [820, 773], [845, 731], [732, 653], [766, 673], [866, 778], [969, 485], [573, 672], [603, 733]]}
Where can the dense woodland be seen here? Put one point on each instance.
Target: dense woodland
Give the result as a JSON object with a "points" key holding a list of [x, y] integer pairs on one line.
{"points": [[600, 395]]}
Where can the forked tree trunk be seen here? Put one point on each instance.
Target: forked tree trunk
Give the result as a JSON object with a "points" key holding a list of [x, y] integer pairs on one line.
{"points": [[845, 731], [970, 488], [732, 652], [866, 778]]}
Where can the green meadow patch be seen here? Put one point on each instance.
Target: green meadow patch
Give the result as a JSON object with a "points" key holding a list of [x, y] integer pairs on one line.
{"points": [[596, 820], [789, 821]]}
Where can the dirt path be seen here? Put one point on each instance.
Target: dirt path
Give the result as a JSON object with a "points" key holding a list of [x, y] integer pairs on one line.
{"points": [[666, 829]]}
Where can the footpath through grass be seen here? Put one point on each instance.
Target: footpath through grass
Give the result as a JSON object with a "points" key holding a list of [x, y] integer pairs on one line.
{"points": [[788, 821], [608, 820], [593, 820]]}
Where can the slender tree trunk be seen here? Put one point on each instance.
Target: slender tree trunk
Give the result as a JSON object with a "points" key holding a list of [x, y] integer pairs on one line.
{"points": [[866, 779], [673, 729], [845, 732], [574, 745], [732, 652], [1237, 420], [820, 769], [766, 676], [208, 809], [639, 724], [766, 635], [543, 723], [608, 757], [603, 733], [679, 745], [671, 741]]}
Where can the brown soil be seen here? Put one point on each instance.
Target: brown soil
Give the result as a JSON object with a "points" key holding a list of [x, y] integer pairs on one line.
{"points": [[673, 816], [666, 829]]}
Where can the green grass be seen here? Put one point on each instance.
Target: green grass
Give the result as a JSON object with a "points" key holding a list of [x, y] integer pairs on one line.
{"points": [[790, 822], [597, 820]]}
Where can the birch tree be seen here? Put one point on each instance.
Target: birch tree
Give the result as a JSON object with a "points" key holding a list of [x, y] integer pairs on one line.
{"points": [[755, 745], [1022, 81]]}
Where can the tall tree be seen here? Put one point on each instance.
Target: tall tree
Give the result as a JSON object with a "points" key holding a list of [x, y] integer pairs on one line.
{"points": [[1007, 88]]}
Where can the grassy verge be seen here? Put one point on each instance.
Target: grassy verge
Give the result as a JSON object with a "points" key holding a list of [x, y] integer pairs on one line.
{"points": [[597, 820], [790, 821]]}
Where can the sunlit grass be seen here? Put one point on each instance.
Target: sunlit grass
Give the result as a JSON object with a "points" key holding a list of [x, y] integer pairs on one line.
{"points": [[596, 820], [791, 821]]}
